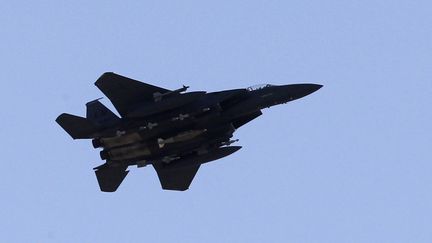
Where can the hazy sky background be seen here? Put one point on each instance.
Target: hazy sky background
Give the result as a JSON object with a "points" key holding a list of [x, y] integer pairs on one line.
{"points": [[349, 163]]}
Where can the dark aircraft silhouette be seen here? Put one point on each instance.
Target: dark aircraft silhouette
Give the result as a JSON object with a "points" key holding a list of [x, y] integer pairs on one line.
{"points": [[172, 130]]}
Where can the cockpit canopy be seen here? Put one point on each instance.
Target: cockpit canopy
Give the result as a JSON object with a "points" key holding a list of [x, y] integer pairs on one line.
{"points": [[259, 86]]}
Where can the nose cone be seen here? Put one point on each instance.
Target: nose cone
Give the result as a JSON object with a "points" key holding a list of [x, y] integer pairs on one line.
{"points": [[297, 91]]}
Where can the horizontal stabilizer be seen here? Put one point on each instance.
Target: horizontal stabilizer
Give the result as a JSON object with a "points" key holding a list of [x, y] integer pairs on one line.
{"points": [[178, 179], [100, 114], [77, 127], [110, 178]]}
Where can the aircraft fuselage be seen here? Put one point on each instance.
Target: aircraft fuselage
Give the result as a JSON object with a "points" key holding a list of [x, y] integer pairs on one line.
{"points": [[176, 132]]}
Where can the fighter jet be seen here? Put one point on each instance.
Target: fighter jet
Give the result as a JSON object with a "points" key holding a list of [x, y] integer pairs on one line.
{"points": [[173, 130]]}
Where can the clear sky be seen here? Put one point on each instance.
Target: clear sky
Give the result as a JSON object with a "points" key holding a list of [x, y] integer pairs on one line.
{"points": [[349, 163]]}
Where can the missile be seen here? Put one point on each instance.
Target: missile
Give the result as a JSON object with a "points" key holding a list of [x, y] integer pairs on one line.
{"points": [[230, 142], [181, 117], [158, 96]]}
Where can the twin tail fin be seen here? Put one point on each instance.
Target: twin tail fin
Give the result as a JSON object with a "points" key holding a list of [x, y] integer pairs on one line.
{"points": [[97, 118]]}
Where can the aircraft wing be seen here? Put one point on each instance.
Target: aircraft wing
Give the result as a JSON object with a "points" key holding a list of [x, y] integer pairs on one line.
{"points": [[124, 92], [110, 178], [178, 179]]}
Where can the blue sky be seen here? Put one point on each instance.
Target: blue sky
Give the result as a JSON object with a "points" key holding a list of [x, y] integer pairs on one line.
{"points": [[350, 163]]}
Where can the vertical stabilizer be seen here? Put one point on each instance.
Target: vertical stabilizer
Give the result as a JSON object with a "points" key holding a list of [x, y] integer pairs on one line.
{"points": [[100, 114]]}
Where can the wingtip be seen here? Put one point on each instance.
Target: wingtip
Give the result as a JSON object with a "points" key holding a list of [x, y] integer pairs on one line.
{"points": [[105, 76], [61, 117]]}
